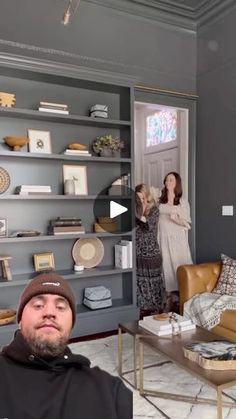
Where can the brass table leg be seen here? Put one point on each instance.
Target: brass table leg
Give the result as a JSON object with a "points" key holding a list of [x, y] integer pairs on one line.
{"points": [[141, 362], [219, 403], [120, 352]]}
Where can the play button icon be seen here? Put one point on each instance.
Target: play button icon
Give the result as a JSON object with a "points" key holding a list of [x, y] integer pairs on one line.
{"points": [[114, 212], [116, 209]]}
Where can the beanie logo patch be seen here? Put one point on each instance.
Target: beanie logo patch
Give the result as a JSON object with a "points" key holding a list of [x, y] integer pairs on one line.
{"points": [[55, 284]]}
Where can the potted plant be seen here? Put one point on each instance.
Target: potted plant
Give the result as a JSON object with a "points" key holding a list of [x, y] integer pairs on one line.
{"points": [[108, 146]]}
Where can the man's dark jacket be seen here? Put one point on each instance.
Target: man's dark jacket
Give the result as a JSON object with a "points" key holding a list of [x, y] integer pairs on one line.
{"points": [[61, 388]]}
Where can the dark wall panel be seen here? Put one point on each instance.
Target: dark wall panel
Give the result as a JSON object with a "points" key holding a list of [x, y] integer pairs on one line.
{"points": [[216, 141], [101, 38]]}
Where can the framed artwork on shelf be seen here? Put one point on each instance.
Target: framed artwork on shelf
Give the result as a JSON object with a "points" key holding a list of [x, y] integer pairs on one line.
{"points": [[44, 261], [3, 227], [79, 175], [39, 141]]}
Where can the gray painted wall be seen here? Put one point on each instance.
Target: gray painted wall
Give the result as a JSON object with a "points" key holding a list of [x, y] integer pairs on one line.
{"points": [[216, 139], [101, 38]]}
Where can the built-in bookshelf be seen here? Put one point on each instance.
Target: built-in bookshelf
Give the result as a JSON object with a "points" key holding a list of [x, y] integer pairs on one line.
{"points": [[33, 82]]}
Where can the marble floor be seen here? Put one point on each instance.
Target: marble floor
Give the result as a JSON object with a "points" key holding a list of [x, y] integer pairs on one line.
{"points": [[164, 376]]}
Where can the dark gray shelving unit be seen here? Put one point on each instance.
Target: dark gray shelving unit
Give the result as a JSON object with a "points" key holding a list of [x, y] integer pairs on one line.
{"points": [[32, 82]]}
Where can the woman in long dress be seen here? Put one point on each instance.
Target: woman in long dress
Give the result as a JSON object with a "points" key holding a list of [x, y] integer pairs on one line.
{"points": [[150, 282], [174, 223]]}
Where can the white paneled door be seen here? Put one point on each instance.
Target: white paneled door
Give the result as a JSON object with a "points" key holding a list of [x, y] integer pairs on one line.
{"points": [[157, 165], [152, 163]]}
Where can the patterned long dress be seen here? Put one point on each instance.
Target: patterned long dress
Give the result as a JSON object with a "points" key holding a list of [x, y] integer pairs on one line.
{"points": [[150, 282]]}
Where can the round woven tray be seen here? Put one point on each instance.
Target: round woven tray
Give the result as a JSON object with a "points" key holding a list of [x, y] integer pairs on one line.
{"points": [[4, 180]]}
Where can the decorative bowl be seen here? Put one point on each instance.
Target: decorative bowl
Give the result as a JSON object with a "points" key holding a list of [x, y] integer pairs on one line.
{"points": [[16, 141], [77, 146]]}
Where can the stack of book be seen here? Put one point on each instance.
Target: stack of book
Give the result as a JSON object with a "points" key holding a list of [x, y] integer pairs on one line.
{"points": [[123, 254], [33, 189], [66, 225], [53, 107], [84, 153], [168, 326]]}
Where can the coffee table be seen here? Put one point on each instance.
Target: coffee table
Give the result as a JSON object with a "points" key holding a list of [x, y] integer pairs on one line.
{"points": [[171, 346]]}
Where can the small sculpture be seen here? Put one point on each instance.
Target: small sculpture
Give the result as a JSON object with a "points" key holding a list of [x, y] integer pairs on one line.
{"points": [[16, 141], [7, 99]]}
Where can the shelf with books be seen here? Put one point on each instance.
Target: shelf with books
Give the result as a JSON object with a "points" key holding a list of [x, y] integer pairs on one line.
{"points": [[30, 114], [23, 278], [28, 155], [61, 237], [59, 197]]}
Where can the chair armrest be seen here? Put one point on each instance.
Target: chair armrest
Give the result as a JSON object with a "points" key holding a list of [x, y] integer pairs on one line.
{"points": [[196, 278]]}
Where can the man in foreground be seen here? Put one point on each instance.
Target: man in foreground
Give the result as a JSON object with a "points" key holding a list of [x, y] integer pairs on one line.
{"points": [[40, 378]]}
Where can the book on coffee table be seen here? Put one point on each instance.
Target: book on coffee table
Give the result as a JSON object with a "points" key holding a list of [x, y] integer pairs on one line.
{"points": [[166, 323], [168, 330]]}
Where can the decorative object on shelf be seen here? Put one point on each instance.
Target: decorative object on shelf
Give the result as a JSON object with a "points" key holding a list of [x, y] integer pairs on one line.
{"points": [[128, 244], [39, 141], [108, 146], [7, 99], [88, 252], [26, 233], [44, 261], [33, 189], [97, 297], [53, 107], [121, 186], [3, 227], [99, 111], [7, 315], [105, 224], [6, 271], [66, 225], [78, 268], [16, 141], [69, 187], [4, 180], [77, 146], [74, 153], [121, 256], [79, 175]]}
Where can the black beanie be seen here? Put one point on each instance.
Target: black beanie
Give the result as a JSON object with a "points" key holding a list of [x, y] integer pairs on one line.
{"points": [[47, 283]]}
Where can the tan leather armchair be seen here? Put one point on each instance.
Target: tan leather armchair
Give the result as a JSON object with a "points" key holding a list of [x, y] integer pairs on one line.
{"points": [[202, 277]]}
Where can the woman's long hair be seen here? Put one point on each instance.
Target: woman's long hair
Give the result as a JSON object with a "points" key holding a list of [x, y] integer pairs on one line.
{"points": [[178, 191], [149, 197]]}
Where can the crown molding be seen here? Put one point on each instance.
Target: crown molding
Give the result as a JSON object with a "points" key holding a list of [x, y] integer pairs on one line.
{"points": [[154, 10], [20, 62], [213, 11], [171, 12]]}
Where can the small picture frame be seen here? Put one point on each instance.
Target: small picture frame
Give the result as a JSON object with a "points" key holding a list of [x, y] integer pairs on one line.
{"points": [[44, 261], [79, 175], [39, 141], [3, 227]]}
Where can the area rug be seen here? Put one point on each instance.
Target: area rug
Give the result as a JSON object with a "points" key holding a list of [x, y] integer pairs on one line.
{"points": [[164, 377]]}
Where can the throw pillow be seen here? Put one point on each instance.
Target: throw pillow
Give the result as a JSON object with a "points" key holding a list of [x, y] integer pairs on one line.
{"points": [[227, 281]]}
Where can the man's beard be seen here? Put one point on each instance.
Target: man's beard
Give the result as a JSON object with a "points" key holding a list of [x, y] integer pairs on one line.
{"points": [[45, 348]]}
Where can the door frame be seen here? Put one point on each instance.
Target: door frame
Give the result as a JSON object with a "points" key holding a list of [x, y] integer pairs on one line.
{"points": [[186, 102]]}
